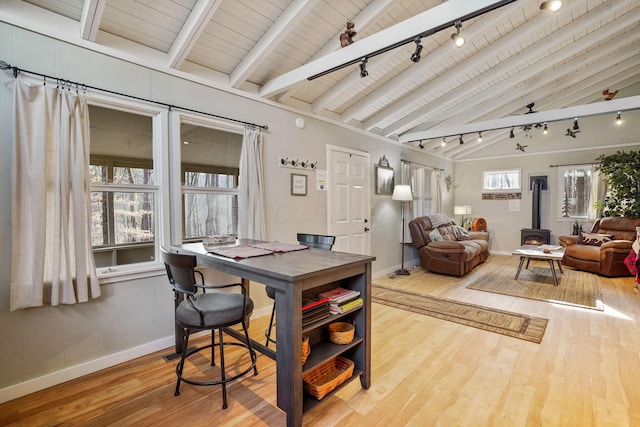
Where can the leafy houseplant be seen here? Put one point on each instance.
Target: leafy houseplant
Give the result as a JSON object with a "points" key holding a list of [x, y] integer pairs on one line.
{"points": [[577, 228], [622, 176]]}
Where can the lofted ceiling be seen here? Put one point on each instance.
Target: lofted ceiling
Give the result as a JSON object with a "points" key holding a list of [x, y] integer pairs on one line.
{"points": [[515, 54]]}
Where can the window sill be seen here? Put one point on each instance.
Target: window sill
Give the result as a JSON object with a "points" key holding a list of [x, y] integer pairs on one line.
{"points": [[123, 273]]}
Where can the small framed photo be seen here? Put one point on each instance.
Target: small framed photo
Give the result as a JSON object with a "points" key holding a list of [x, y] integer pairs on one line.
{"points": [[384, 180], [298, 184]]}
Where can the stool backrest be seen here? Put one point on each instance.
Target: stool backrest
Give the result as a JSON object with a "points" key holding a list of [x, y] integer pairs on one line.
{"points": [[181, 271], [317, 240]]}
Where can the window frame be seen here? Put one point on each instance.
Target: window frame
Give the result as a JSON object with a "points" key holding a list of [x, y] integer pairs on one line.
{"points": [[177, 189], [159, 117], [561, 192], [517, 189]]}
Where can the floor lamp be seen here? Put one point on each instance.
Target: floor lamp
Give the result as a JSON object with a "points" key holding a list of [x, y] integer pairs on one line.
{"points": [[403, 194]]}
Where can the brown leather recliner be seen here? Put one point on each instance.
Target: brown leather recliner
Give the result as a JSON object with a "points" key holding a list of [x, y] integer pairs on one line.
{"points": [[450, 255], [607, 259]]}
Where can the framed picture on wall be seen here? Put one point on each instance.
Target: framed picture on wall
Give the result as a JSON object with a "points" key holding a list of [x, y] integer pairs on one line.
{"points": [[384, 180], [298, 184]]}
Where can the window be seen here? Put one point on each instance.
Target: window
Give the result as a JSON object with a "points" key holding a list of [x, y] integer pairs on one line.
{"points": [[209, 165], [421, 187], [501, 180], [575, 185], [124, 191]]}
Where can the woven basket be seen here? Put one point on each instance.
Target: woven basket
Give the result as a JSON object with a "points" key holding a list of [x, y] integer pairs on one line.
{"points": [[325, 378], [341, 332], [306, 348]]}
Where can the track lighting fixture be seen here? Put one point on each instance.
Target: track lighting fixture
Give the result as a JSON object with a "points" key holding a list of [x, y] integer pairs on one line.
{"points": [[479, 136], [444, 142], [421, 145], [575, 124], [551, 5], [416, 55], [545, 130], [460, 140], [363, 68], [511, 134], [458, 39], [619, 118]]}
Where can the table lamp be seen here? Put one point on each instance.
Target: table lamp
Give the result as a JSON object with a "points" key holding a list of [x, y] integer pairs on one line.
{"points": [[462, 211], [402, 193]]}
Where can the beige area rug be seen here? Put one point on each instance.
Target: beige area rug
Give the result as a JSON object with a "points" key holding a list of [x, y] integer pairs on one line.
{"points": [[576, 288], [489, 319]]}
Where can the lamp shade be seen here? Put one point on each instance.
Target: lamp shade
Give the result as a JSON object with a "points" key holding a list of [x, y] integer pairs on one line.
{"points": [[462, 210], [402, 193]]}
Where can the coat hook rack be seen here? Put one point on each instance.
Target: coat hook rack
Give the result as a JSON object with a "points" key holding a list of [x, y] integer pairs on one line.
{"points": [[284, 162]]}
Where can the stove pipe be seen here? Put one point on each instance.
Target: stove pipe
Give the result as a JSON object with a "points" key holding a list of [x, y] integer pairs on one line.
{"points": [[535, 214]]}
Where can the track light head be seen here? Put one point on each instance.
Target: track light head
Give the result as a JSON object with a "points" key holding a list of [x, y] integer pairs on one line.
{"points": [[416, 55], [619, 118], [458, 39], [551, 5], [444, 142], [479, 136], [460, 140], [575, 124], [511, 134], [363, 68], [545, 130], [421, 145]]}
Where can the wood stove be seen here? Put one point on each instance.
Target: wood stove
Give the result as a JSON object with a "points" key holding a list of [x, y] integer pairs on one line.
{"points": [[535, 235]]}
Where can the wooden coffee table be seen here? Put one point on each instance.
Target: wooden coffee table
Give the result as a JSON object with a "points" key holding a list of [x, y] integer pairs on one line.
{"points": [[530, 252]]}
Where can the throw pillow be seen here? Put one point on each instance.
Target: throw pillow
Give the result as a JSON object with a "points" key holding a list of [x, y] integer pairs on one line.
{"points": [[462, 233], [593, 239], [435, 236]]}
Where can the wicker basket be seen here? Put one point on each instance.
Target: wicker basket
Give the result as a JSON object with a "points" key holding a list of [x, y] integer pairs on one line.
{"points": [[306, 348], [341, 332], [325, 378]]}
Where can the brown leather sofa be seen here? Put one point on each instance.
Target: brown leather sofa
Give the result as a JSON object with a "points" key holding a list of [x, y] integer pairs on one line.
{"points": [[608, 258], [452, 255]]}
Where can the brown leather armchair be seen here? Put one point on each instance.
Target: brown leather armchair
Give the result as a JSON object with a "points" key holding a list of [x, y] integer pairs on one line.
{"points": [[607, 259]]}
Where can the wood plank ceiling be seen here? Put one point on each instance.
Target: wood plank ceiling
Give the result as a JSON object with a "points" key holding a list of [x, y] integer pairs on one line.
{"points": [[514, 55]]}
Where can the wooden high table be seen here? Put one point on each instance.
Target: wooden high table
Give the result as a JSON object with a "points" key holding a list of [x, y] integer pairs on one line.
{"points": [[290, 274]]}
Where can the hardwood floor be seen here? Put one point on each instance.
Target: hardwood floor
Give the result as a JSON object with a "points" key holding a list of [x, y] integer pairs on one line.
{"points": [[426, 372]]}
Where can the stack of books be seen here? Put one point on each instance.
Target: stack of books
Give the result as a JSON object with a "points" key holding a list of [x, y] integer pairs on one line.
{"points": [[341, 300], [314, 310]]}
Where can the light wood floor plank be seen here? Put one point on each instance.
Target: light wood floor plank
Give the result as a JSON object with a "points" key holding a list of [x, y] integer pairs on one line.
{"points": [[426, 371]]}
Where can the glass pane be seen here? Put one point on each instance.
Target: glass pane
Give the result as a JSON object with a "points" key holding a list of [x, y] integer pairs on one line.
{"points": [[209, 215], [99, 219], [98, 173], [132, 175], [133, 217], [209, 180], [502, 180], [576, 191]]}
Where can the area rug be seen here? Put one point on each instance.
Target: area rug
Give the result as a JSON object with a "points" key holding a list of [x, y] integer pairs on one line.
{"points": [[489, 319], [576, 288]]}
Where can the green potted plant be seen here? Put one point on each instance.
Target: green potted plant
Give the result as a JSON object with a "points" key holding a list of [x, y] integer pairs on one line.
{"points": [[577, 228], [622, 176]]}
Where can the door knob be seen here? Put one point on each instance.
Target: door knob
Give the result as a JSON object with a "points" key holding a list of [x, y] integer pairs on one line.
{"points": [[366, 229]]}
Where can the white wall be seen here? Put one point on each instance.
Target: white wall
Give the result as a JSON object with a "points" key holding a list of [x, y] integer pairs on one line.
{"points": [[48, 345]]}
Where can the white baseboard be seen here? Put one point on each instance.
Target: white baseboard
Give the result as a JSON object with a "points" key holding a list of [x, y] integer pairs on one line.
{"points": [[36, 384]]}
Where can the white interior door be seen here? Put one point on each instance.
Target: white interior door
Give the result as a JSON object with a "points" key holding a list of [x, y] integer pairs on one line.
{"points": [[348, 199]]}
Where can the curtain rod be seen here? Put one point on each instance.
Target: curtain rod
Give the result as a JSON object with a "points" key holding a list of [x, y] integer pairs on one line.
{"points": [[575, 164], [420, 164], [16, 71]]}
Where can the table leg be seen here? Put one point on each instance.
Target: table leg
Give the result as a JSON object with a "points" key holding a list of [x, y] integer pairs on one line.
{"points": [[553, 272], [527, 266], [560, 267], [289, 354], [519, 267]]}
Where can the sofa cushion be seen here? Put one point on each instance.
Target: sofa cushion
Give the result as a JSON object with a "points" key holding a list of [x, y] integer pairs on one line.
{"points": [[584, 252], [593, 239], [435, 236]]}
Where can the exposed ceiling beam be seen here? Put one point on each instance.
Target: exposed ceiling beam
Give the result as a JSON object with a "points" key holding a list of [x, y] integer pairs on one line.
{"points": [[595, 109], [92, 11], [416, 71], [364, 18], [428, 22], [513, 40], [196, 23], [458, 99], [280, 29]]}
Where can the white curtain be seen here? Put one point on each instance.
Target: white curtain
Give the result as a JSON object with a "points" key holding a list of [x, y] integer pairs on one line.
{"points": [[251, 215], [52, 261], [436, 191]]}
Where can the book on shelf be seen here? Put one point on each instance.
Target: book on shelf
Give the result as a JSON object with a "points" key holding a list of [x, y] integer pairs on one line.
{"points": [[341, 308], [338, 295], [309, 303], [319, 313]]}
